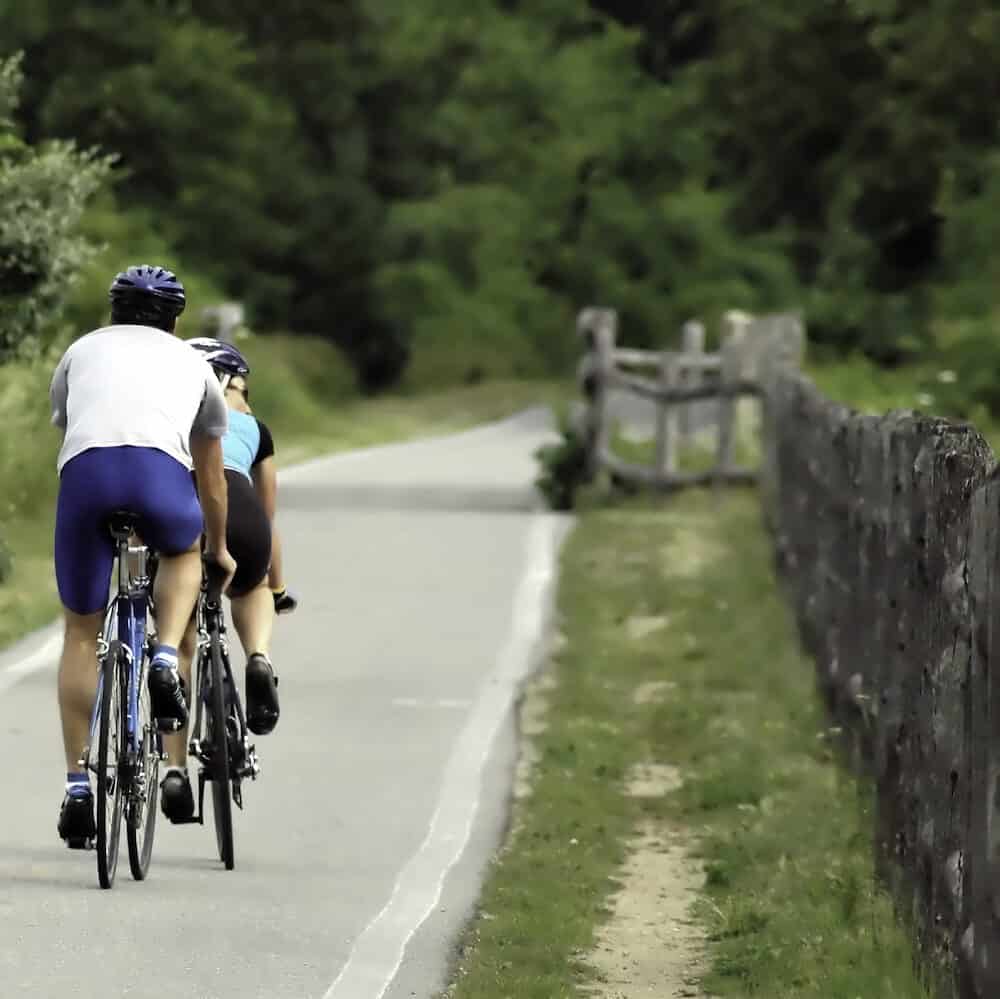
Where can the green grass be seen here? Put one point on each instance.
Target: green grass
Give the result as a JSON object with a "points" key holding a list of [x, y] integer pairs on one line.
{"points": [[871, 389], [300, 386], [791, 908]]}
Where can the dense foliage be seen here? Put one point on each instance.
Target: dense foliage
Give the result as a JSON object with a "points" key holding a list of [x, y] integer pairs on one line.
{"points": [[440, 185], [43, 191]]}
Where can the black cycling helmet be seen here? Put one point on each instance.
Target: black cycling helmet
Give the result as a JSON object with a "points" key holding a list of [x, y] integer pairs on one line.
{"points": [[145, 295]]}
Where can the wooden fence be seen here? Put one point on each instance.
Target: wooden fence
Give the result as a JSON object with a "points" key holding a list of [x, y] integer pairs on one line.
{"points": [[887, 535], [678, 381], [887, 541]]}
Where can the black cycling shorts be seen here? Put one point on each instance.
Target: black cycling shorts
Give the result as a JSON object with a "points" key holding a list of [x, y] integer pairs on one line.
{"points": [[248, 534]]}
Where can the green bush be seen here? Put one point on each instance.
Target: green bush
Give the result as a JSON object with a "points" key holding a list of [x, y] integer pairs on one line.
{"points": [[6, 561], [28, 448], [43, 192], [966, 384], [563, 468], [123, 238], [295, 380]]}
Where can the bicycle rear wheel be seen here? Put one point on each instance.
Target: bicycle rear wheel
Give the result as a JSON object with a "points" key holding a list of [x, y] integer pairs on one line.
{"points": [[110, 754], [141, 811], [215, 722]]}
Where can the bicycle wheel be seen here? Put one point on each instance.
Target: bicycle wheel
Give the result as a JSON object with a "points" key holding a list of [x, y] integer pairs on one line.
{"points": [[110, 754], [215, 723], [141, 811]]}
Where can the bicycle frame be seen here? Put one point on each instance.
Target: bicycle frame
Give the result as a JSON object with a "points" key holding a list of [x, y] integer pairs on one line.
{"points": [[128, 610], [209, 618], [208, 609]]}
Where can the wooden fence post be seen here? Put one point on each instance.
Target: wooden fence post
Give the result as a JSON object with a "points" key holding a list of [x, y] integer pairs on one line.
{"points": [[222, 321], [981, 882], [693, 347], [734, 331], [598, 328], [666, 418]]}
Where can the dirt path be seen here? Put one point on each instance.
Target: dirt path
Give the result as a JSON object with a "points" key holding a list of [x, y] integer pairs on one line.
{"points": [[650, 946]]}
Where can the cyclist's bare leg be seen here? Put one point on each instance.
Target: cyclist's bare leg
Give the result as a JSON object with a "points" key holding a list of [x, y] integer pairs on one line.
{"points": [[78, 682], [253, 616], [175, 743], [178, 580]]}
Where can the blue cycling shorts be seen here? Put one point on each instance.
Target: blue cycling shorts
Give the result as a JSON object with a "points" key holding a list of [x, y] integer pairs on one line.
{"points": [[149, 483]]}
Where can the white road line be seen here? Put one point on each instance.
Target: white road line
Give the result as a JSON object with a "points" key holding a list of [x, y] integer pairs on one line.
{"points": [[457, 703], [378, 952]]}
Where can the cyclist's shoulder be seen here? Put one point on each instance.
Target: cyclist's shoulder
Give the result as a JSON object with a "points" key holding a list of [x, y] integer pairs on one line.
{"points": [[115, 337], [85, 345]]}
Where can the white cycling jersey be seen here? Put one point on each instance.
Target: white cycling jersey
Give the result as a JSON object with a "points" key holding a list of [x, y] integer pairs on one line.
{"points": [[135, 386]]}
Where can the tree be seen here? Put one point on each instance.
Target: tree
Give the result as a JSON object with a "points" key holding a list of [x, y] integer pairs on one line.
{"points": [[43, 192]]}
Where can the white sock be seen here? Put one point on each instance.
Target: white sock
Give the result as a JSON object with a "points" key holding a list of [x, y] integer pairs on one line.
{"points": [[77, 781], [164, 658]]}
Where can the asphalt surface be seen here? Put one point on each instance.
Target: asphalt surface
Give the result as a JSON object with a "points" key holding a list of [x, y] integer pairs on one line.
{"points": [[425, 573]]}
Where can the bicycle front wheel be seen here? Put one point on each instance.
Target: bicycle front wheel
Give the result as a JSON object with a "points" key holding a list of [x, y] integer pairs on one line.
{"points": [[141, 811], [110, 756], [215, 721]]}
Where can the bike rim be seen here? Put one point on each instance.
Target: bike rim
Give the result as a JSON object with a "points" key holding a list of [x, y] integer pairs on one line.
{"points": [[142, 803], [110, 757], [222, 805]]}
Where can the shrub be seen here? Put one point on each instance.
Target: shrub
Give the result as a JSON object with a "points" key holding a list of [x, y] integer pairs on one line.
{"points": [[43, 192], [563, 468]]}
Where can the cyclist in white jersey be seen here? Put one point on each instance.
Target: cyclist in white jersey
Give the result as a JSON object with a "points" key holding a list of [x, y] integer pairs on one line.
{"points": [[139, 411]]}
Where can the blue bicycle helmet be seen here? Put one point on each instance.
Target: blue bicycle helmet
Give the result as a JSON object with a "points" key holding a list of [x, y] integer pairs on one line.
{"points": [[147, 295], [223, 357]]}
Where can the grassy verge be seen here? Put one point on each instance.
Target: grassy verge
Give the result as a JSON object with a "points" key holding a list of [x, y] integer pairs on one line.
{"points": [[871, 389], [681, 596], [300, 387]]}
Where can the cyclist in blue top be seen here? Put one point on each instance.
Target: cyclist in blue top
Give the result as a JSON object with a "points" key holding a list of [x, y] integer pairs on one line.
{"points": [[257, 590]]}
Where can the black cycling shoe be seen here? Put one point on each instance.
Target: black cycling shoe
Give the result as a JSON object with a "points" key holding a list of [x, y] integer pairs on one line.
{"points": [[176, 797], [76, 819], [166, 695], [262, 695]]}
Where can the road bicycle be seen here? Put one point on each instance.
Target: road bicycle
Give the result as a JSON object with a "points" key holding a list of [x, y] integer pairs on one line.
{"points": [[125, 746], [219, 736]]}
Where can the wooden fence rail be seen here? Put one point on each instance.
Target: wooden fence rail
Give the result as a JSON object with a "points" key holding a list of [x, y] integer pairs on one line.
{"points": [[887, 540]]}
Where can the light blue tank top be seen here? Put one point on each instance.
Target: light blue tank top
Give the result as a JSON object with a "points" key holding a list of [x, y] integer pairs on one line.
{"points": [[241, 443]]}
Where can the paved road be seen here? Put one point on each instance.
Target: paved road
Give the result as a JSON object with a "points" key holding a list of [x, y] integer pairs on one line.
{"points": [[425, 572]]}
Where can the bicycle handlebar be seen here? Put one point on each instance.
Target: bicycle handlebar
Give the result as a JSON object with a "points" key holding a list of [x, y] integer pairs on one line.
{"points": [[215, 575]]}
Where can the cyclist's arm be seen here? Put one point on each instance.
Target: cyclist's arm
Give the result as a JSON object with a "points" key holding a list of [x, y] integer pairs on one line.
{"points": [[209, 427], [265, 480], [58, 392], [212, 491]]}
